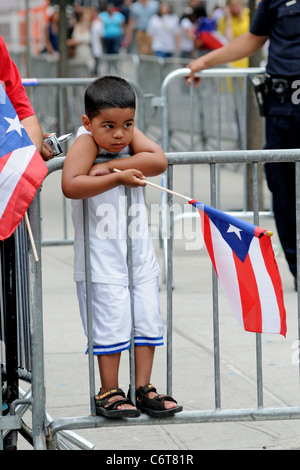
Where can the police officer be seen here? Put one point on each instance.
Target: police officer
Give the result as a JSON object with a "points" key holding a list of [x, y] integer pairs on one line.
{"points": [[278, 21]]}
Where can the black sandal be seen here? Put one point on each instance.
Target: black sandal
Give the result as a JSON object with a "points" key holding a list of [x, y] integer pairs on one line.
{"points": [[154, 406], [107, 408]]}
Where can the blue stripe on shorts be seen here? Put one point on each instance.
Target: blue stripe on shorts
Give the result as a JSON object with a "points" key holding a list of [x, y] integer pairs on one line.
{"points": [[138, 341], [143, 341], [114, 348]]}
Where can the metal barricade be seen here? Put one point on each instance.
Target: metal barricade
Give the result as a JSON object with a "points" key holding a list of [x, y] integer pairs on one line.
{"points": [[44, 430], [204, 111]]}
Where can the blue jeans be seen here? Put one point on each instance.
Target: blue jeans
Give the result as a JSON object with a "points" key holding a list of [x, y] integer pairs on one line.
{"points": [[163, 54], [112, 45]]}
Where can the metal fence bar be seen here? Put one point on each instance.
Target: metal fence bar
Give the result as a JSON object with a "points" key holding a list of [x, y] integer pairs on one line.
{"points": [[37, 339], [216, 336], [297, 176], [130, 285], [185, 417], [257, 336], [169, 277], [88, 285]]}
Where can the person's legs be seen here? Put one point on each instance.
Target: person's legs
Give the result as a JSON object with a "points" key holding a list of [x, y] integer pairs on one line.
{"points": [[281, 133], [281, 181]]}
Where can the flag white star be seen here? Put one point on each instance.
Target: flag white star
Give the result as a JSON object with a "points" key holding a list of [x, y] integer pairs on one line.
{"points": [[233, 229], [15, 125]]}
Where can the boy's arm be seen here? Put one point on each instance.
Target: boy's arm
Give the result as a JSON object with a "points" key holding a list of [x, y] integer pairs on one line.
{"points": [[148, 157], [76, 181]]}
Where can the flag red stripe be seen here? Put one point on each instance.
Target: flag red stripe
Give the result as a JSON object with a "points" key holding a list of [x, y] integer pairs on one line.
{"points": [[205, 222], [250, 299], [22, 195], [4, 160], [273, 271], [209, 40]]}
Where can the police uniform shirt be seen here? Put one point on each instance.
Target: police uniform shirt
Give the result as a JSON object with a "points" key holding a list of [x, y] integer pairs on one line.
{"points": [[280, 20]]}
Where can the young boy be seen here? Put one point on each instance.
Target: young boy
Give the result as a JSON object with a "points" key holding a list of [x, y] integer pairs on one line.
{"points": [[108, 128]]}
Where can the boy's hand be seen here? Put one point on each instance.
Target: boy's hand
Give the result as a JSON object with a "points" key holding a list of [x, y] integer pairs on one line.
{"points": [[99, 169], [132, 178]]}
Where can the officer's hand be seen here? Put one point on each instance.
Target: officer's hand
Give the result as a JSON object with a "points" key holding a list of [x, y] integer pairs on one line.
{"points": [[195, 66]]}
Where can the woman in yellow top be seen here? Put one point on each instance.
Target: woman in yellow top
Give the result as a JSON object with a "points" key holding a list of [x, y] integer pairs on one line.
{"points": [[234, 23]]}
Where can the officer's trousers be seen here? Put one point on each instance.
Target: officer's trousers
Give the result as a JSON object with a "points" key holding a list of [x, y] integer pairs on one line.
{"points": [[283, 132]]}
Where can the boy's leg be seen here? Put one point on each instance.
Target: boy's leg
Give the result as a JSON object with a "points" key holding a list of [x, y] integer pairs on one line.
{"points": [[149, 329], [109, 370], [109, 374], [144, 356]]}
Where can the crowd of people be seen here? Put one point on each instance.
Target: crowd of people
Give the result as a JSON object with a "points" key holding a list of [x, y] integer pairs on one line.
{"points": [[147, 27]]}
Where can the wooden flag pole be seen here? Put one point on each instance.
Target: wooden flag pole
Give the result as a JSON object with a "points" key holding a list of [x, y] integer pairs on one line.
{"points": [[162, 188], [269, 232], [31, 237]]}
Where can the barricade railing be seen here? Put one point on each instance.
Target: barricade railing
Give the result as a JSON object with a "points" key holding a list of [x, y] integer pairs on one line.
{"points": [[45, 433], [217, 73], [204, 101], [148, 73]]}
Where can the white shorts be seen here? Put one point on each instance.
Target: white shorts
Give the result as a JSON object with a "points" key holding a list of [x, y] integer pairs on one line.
{"points": [[111, 310]]}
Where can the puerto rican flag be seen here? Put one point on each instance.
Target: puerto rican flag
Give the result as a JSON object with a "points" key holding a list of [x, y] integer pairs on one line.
{"points": [[22, 168], [243, 258], [212, 39], [209, 35]]}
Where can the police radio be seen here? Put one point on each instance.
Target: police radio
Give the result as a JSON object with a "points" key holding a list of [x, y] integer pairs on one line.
{"points": [[259, 88]]}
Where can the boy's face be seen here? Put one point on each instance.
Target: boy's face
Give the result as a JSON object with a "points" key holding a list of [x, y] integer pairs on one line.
{"points": [[112, 129]]}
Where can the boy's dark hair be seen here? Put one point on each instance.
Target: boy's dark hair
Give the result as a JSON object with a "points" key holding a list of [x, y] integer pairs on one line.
{"points": [[108, 92]]}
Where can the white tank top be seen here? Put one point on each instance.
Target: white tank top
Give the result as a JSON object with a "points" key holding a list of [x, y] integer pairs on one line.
{"points": [[108, 236]]}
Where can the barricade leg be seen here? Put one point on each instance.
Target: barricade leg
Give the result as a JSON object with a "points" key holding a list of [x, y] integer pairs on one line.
{"points": [[10, 327], [37, 345]]}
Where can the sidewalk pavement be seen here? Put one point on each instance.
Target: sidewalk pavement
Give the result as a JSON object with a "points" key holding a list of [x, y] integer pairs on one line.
{"points": [[66, 365]]}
